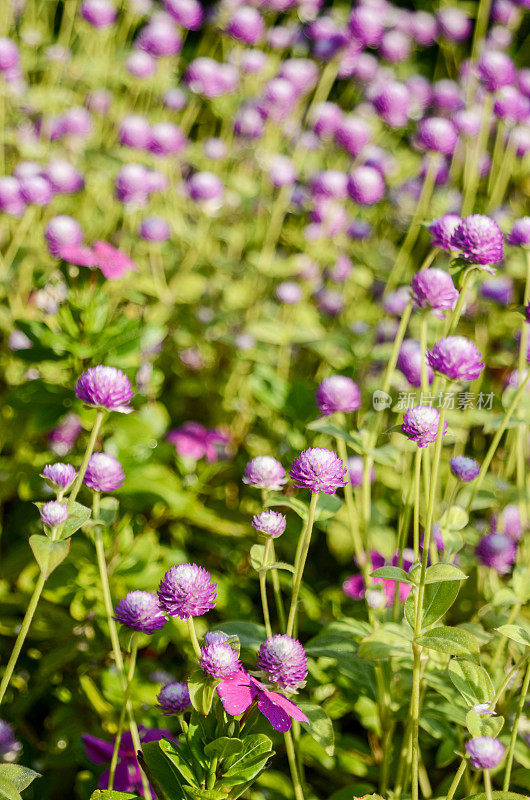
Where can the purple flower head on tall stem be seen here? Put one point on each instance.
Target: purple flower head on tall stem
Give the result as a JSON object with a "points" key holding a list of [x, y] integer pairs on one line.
{"points": [[140, 611], [270, 523], [442, 231], [186, 591], [105, 388], [220, 660], [104, 473], [420, 425], [319, 470], [457, 358], [464, 468], [338, 393], [174, 698], [485, 752], [434, 288], [284, 661], [479, 240], [409, 362], [497, 550], [265, 472], [53, 513], [59, 476]]}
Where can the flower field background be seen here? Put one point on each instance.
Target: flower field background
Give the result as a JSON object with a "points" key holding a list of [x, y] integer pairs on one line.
{"points": [[265, 400]]}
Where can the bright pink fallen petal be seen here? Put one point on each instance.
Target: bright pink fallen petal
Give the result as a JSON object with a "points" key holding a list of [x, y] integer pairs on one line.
{"points": [[78, 254], [286, 704], [236, 694], [277, 717], [112, 262]]}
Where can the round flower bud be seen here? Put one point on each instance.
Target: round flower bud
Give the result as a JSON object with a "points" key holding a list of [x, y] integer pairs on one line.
{"points": [[319, 470], [519, 236], [457, 358], [154, 229], [174, 698], [248, 123], [141, 64], [338, 393], [9, 55], [409, 362], [36, 190], [105, 388], [265, 472], [59, 476], [442, 231], [167, 139], [64, 177], [420, 425], [187, 13], [11, 200], [437, 134], [366, 25], [53, 513], [160, 38], [392, 101], [356, 471], [464, 468], [325, 119], [496, 69], [434, 288], [62, 231], [485, 752], [100, 13], [270, 523], [284, 660], [220, 660], [140, 611], [497, 550], [509, 522], [366, 185], [301, 72], [186, 591], [205, 187], [175, 99], [353, 133], [479, 240], [215, 148], [104, 473], [454, 24], [281, 171], [511, 105], [289, 293], [246, 24], [135, 131]]}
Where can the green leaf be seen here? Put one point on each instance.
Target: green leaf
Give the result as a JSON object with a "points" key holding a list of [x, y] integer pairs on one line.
{"points": [[393, 574], [250, 634], [246, 765], [481, 725], [48, 554], [163, 776], [278, 499], [108, 510], [497, 796], [444, 572], [454, 519], [21, 777], [387, 641], [278, 565], [323, 425], [110, 794], [257, 555], [205, 794], [438, 598], [176, 755], [223, 747], [471, 680], [77, 516], [8, 790], [516, 633], [201, 688], [327, 506], [319, 726], [454, 641]]}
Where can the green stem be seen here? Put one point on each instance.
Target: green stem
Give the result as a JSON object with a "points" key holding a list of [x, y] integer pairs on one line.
{"points": [[423, 349], [263, 588], [487, 784], [473, 179], [277, 591], [457, 313], [26, 623], [291, 757], [456, 780], [352, 517], [515, 725], [126, 694], [86, 458], [417, 481], [193, 637], [496, 439], [305, 541], [415, 223]]}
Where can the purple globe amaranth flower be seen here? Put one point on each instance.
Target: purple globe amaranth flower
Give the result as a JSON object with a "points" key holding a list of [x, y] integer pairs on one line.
{"points": [[497, 550], [246, 24], [454, 24], [437, 134], [205, 187], [396, 302], [10, 747], [105, 388], [36, 190], [464, 468], [265, 472], [59, 476], [519, 235], [270, 523], [366, 185], [338, 393], [485, 752], [409, 362], [104, 473], [443, 229], [220, 660], [248, 122], [301, 72], [215, 636], [166, 139], [53, 513], [140, 611], [135, 131], [395, 46], [100, 13], [366, 25], [325, 119], [160, 38], [155, 229], [62, 231], [479, 240], [11, 200], [392, 101], [175, 99], [289, 292], [284, 660], [215, 148], [319, 470], [174, 698], [62, 438], [355, 466], [457, 358], [509, 522], [187, 13], [434, 288], [420, 425], [498, 288], [63, 177], [353, 133], [281, 171], [511, 105], [496, 69], [9, 55], [186, 591]]}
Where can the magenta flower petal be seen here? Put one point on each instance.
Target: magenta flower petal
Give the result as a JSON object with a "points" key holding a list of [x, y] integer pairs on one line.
{"points": [[277, 717], [97, 750], [78, 254], [112, 262], [236, 693], [287, 705]]}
